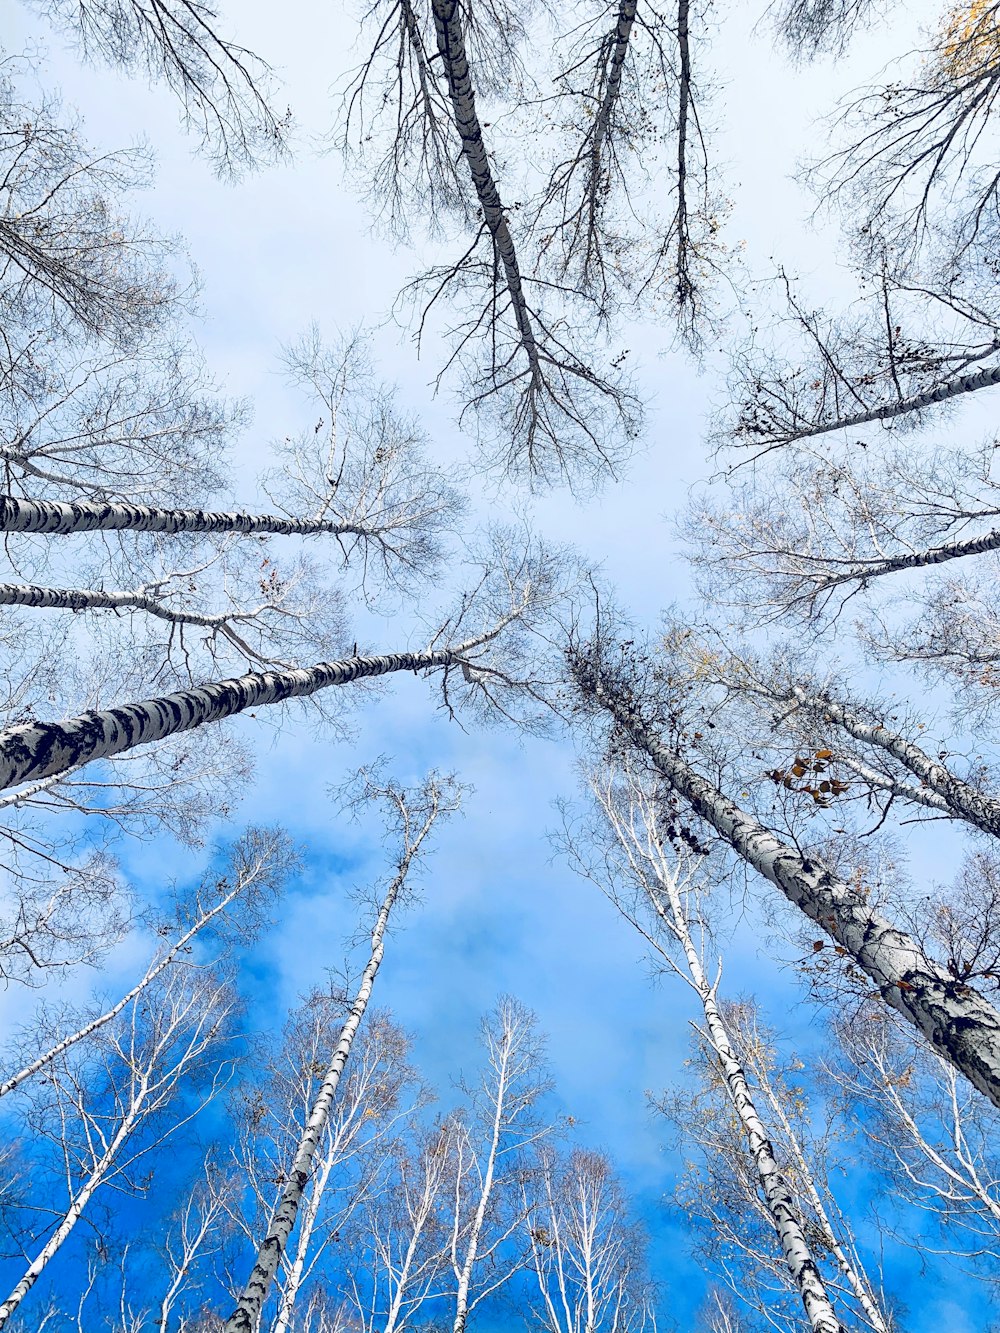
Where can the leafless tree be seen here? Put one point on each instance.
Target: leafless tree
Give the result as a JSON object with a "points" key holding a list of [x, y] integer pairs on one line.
{"points": [[224, 91], [412, 816], [644, 709], [911, 346], [662, 895], [518, 589], [490, 1151], [378, 1098], [94, 1100], [258, 862], [530, 393], [802, 540], [625, 112], [928, 1133], [70, 259], [399, 1251], [812, 28], [586, 1254], [921, 143], [722, 1199]]}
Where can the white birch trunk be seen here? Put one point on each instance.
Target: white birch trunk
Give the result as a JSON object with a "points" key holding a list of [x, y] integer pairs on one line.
{"points": [[60, 517], [958, 1022], [982, 379], [802, 1266], [464, 1271], [451, 48], [72, 1214], [246, 1317], [97, 599], [962, 799], [856, 1279], [41, 749], [147, 980], [861, 571]]}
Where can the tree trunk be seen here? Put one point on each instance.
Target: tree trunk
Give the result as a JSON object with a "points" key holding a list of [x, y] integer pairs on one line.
{"points": [[961, 799], [40, 749], [56, 516], [777, 1194], [451, 48], [246, 1317], [959, 1023]]}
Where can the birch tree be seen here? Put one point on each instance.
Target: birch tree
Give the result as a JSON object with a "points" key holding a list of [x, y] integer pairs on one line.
{"points": [[722, 1199], [102, 1112], [625, 110], [645, 716], [413, 815], [377, 1099], [586, 1254], [532, 395], [72, 260], [223, 90], [812, 28], [911, 345], [918, 147], [885, 759], [399, 1250], [662, 894], [503, 1123], [516, 590], [929, 1135], [800, 542], [259, 862]]}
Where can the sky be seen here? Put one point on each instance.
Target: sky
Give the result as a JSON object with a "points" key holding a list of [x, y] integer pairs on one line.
{"points": [[499, 912]]}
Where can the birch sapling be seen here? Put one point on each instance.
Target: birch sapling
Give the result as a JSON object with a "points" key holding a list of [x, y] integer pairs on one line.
{"points": [[415, 813], [957, 1021]]}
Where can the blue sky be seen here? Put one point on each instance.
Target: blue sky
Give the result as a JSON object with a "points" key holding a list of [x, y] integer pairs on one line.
{"points": [[498, 913]]}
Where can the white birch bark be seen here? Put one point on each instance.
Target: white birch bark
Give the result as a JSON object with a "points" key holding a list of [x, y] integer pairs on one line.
{"points": [[982, 379], [246, 1317], [957, 1021], [451, 49], [39, 750], [464, 1268], [854, 1275], [182, 1027], [802, 1266], [61, 517], [961, 799], [863, 571], [74, 1211]]}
